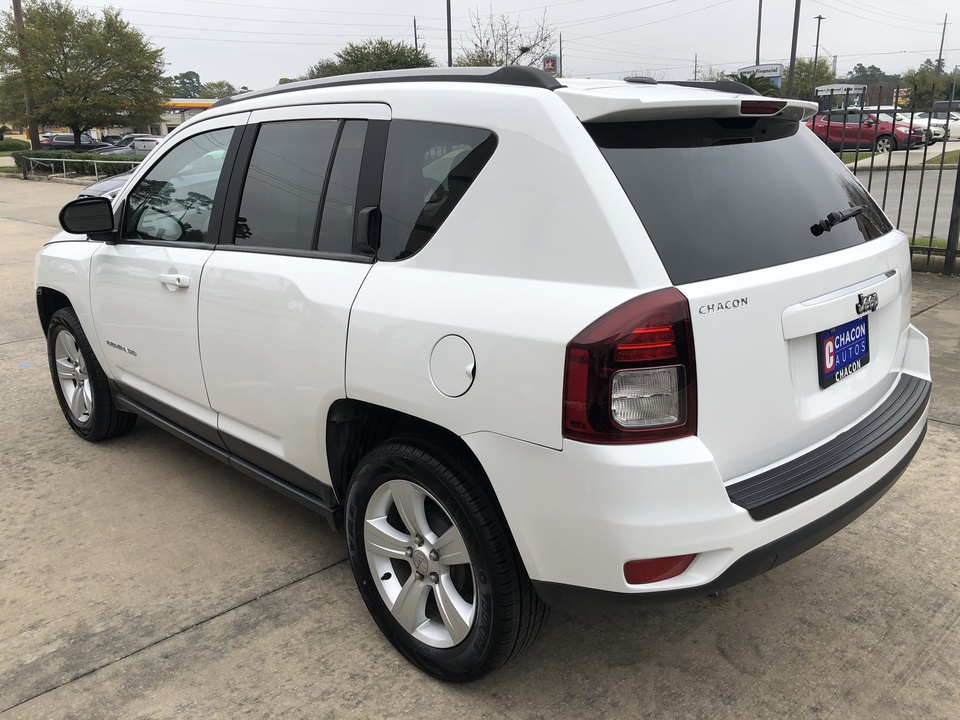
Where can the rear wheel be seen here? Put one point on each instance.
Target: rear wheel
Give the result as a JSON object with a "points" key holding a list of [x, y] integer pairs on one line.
{"points": [[435, 564], [885, 143], [80, 383]]}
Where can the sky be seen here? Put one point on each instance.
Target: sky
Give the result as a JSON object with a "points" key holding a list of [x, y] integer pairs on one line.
{"points": [[255, 43]]}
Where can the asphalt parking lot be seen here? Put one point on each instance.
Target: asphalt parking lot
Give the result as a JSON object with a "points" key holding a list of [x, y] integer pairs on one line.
{"points": [[140, 578]]}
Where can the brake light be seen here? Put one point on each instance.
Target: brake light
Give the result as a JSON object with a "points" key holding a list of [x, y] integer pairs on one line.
{"points": [[761, 107], [630, 377]]}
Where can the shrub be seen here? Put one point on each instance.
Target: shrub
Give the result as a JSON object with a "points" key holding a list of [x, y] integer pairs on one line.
{"points": [[73, 168], [11, 144]]}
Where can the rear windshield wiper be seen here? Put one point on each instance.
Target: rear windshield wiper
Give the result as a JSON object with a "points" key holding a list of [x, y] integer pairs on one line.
{"points": [[835, 218]]}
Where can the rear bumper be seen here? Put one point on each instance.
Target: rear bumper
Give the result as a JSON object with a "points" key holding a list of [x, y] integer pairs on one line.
{"points": [[755, 562]]}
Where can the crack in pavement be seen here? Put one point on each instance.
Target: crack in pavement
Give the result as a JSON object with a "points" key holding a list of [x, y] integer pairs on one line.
{"points": [[177, 633], [14, 342]]}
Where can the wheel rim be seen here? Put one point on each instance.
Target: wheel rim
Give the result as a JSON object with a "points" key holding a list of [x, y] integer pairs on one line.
{"points": [[420, 564], [72, 376], [883, 145]]}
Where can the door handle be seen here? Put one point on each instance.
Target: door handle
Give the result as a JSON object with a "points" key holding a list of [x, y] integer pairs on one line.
{"points": [[174, 281]]}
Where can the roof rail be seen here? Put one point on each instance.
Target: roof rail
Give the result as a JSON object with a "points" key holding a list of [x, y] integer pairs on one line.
{"points": [[510, 75], [727, 86]]}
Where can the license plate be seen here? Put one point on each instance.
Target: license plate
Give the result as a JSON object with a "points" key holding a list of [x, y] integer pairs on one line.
{"points": [[842, 351]]}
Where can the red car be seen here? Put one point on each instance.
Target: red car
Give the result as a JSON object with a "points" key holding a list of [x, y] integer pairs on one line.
{"points": [[856, 129]]}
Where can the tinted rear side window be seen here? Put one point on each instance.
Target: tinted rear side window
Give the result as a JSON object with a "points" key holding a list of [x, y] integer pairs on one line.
{"points": [[720, 197], [281, 195], [427, 170]]}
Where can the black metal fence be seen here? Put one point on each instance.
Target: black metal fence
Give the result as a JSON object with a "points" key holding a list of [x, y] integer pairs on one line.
{"points": [[911, 173]]}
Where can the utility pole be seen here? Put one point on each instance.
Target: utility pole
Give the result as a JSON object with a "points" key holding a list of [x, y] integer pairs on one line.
{"points": [[32, 128], [816, 56], [416, 43], [759, 23], [449, 38], [942, 36], [793, 50], [560, 58]]}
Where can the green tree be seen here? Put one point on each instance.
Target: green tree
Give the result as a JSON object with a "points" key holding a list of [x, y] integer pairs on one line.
{"points": [[186, 85], [86, 70], [762, 85], [218, 89], [881, 86], [927, 84], [803, 77], [371, 56], [496, 41]]}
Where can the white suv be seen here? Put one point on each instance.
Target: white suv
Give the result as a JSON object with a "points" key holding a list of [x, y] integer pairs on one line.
{"points": [[526, 340]]}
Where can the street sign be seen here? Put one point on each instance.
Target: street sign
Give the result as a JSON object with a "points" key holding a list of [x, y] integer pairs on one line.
{"points": [[551, 64], [770, 70]]}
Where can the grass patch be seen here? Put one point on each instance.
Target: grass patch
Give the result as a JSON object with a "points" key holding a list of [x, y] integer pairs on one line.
{"points": [[949, 158], [13, 169], [851, 156], [922, 243]]}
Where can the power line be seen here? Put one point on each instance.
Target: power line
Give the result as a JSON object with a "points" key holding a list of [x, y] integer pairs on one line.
{"points": [[654, 22]]}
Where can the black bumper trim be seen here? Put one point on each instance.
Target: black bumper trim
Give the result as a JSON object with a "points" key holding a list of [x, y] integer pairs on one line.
{"points": [[794, 482], [756, 562]]}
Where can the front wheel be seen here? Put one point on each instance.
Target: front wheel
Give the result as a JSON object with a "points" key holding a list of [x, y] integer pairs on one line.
{"points": [[885, 144], [80, 383], [435, 564]]}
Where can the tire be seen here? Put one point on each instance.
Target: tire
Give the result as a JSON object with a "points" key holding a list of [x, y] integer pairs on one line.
{"points": [[412, 507], [80, 383], [885, 143]]}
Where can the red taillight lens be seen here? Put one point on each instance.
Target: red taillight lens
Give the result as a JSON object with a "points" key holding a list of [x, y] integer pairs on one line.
{"points": [[641, 572], [631, 377], [761, 107]]}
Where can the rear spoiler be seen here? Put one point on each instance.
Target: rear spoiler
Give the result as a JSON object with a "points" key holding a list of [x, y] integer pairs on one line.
{"points": [[645, 101]]}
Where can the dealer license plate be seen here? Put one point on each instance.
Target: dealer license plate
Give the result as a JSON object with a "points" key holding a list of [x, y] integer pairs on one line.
{"points": [[842, 351]]}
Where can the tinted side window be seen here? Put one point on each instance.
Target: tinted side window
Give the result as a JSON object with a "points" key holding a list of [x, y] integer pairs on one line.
{"points": [[173, 201], [340, 199], [281, 195], [428, 169]]}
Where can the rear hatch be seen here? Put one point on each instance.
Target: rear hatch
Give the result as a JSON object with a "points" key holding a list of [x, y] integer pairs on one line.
{"points": [[798, 284]]}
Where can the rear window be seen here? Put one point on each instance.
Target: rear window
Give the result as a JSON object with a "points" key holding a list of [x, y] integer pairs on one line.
{"points": [[726, 196]]}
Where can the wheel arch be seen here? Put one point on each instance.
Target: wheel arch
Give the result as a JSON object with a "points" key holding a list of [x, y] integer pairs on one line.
{"points": [[355, 427], [48, 302]]}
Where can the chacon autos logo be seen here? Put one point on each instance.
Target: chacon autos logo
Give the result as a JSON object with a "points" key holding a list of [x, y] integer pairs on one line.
{"points": [[721, 305]]}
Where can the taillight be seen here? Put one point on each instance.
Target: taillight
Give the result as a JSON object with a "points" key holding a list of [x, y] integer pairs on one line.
{"points": [[631, 377]]}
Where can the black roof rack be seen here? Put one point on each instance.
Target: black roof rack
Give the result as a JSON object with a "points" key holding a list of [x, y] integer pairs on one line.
{"points": [[727, 86], [510, 75]]}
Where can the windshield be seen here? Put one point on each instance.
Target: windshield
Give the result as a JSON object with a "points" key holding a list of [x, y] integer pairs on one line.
{"points": [[725, 196], [885, 117]]}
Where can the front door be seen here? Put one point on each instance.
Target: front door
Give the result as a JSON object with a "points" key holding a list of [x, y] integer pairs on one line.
{"points": [[144, 288]]}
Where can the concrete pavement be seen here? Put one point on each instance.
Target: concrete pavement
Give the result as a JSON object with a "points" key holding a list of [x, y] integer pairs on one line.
{"points": [[142, 579]]}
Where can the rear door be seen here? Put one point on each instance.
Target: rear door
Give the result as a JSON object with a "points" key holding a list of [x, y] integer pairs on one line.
{"points": [[277, 293], [797, 319]]}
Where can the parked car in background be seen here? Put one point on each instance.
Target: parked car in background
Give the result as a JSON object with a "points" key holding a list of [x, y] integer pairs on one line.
{"points": [[865, 130], [112, 139], [949, 121], [125, 145], [67, 141], [108, 187], [935, 132]]}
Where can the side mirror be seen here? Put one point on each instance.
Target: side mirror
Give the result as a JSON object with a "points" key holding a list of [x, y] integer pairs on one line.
{"points": [[868, 123], [87, 215]]}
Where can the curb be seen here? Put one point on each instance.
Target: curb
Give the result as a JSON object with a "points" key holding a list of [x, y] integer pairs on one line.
{"points": [[82, 182]]}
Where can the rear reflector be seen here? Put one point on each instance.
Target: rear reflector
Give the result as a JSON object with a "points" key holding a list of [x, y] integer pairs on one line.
{"points": [[641, 572]]}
